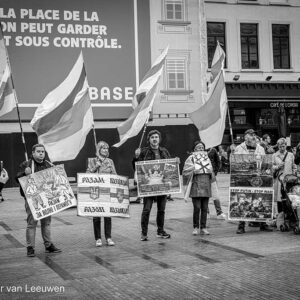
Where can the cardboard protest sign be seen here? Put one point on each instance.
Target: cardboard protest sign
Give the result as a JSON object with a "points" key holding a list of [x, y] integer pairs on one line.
{"points": [[158, 177], [251, 193], [102, 195], [47, 192]]}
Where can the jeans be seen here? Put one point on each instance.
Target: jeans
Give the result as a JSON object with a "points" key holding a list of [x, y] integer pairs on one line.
{"points": [[97, 227], [31, 229], [160, 217], [200, 203]]}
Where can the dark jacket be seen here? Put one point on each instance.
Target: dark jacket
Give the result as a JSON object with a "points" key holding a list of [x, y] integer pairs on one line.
{"points": [[214, 159], [37, 167], [148, 154], [297, 156]]}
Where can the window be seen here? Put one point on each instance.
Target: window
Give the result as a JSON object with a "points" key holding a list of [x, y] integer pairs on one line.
{"points": [[281, 48], [176, 74], [215, 32], [249, 46], [174, 10], [239, 116]]}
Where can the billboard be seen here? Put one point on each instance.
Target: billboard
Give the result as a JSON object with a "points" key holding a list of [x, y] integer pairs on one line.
{"points": [[44, 39]]}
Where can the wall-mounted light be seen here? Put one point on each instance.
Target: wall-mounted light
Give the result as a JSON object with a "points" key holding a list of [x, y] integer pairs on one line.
{"points": [[268, 78], [236, 77], [289, 120]]}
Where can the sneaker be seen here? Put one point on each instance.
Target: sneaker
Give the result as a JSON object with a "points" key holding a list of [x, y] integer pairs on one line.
{"points": [[30, 252], [221, 216], [99, 243], [240, 230], [204, 231], [163, 235], [195, 231], [144, 238], [110, 242], [52, 249]]}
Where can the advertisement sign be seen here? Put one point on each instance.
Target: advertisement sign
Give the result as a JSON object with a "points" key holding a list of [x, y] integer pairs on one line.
{"points": [[44, 39], [47, 192], [251, 193], [102, 195], [158, 177]]}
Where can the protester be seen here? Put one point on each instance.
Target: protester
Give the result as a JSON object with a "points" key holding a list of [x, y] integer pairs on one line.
{"points": [[283, 164], [35, 164], [102, 164], [250, 146], [266, 144], [215, 161], [152, 152], [223, 160], [200, 188], [3, 179]]}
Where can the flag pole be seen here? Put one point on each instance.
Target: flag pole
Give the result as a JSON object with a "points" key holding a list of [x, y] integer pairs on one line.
{"points": [[230, 125], [16, 99], [144, 130], [95, 138]]}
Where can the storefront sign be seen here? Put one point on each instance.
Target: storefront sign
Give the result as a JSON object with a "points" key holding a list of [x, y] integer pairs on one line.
{"points": [[284, 104]]}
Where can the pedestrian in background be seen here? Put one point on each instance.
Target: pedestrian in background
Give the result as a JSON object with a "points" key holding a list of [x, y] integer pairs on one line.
{"points": [[266, 144], [283, 164], [102, 164], [35, 164], [153, 152], [200, 190], [3, 179], [215, 162]]}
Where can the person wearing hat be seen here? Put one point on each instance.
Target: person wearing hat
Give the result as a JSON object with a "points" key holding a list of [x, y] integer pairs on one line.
{"points": [[250, 146], [152, 152], [102, 164]]}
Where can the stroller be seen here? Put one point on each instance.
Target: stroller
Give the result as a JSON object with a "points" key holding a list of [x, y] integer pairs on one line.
{"points": [[290, 196]]}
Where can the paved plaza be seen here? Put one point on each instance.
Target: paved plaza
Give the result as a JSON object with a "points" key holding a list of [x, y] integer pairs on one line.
{"points": [[223, 265]]}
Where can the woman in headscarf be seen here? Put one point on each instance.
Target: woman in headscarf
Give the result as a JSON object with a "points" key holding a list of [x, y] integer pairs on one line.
{"points": [[198, 171]]}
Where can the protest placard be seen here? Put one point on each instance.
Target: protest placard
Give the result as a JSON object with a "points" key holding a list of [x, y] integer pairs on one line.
{"points": [[158, 177], [47, 192], [251, 190], [102, 195]]}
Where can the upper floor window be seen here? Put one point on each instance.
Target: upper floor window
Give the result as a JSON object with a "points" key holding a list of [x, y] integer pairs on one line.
{"points": [[176, 73], [249, 46], [174, 10], [215, 33], [281, 46]]}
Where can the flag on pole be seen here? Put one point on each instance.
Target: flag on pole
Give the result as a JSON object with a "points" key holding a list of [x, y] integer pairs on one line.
{"points": [[218, 62], [133, 125], [210, 117], [7, 96], [143, 101], [150, 79], [65, 117]]}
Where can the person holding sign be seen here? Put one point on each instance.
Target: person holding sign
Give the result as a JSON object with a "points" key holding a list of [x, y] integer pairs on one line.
{"points": [[198, 171], [102, 164], [250, 146], [153, 152], [35, 164]]}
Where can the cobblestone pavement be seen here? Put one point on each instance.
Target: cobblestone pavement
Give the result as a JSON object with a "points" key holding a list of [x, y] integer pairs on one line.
{"points": [[223, 265]]}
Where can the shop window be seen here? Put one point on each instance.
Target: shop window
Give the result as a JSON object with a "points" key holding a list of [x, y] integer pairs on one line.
{"points": [[215, 33], [249, 46], [239, 116], [281, 48], [267, 117], [293, 116]]}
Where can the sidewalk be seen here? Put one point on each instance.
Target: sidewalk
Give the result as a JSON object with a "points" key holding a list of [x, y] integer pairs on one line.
{"points": [[223, 265]]}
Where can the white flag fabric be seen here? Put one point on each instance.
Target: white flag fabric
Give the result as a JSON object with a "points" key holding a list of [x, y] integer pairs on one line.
{"points": [[150, 79], [7, 96], [65, 116], [211, 116], [143, 101]]}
